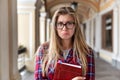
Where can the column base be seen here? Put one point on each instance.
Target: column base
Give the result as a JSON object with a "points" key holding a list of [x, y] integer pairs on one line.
{"points": [[16, 77], [116, 62]]}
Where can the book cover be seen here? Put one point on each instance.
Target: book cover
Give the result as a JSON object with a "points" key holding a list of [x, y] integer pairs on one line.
{"points": [[66, 71]]}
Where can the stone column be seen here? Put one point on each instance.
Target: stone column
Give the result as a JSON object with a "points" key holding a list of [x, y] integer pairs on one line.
{"points": [[118, 57], [115, 36], [42, 27], [8, 40], [38, 5], [48, 29], [92, 33], [98, 33], [88, 32]]}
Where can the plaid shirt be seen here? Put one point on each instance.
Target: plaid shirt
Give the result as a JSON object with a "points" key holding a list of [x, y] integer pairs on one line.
{"points": [[70, 59]]}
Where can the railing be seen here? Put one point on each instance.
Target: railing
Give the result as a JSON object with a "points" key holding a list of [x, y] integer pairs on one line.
{"points": [[21, 59]]}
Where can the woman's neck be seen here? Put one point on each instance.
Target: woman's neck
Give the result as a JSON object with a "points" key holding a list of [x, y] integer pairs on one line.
{"points": [[66, 44]]}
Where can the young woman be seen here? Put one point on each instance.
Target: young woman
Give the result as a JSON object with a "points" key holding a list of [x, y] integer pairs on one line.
{"points": [[67, 44]]}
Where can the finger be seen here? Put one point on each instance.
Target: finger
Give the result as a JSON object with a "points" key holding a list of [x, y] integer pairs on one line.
{"points": [[79, 78]]}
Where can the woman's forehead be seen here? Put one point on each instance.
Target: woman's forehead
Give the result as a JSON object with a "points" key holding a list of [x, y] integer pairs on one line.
{"points": [[65, 17]]}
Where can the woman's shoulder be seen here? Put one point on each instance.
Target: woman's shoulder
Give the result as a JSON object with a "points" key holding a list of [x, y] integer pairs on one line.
{"points": [[91, 52], [43, 47]]}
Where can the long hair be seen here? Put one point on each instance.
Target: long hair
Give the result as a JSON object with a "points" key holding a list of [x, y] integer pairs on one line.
{"points": [[80, 48]]}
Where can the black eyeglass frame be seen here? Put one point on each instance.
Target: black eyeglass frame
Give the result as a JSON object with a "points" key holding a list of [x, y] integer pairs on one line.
{"points": [[68, 25]]}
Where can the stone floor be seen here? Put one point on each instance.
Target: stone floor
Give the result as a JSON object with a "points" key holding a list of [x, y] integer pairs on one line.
{"points": [[104, 71]]}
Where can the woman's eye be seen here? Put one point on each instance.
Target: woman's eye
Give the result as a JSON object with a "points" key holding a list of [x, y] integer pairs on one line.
{"points": [[69, 23], [60, 24]]}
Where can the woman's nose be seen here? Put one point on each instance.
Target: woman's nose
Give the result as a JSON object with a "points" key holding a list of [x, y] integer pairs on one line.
{"points": [[64, 27]]}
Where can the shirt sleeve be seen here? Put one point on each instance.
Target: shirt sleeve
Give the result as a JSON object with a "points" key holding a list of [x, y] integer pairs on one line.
{"points": [[38, 62], [91, 66]]}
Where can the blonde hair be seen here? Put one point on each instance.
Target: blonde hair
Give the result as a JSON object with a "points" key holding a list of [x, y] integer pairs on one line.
{"points": [[80, 47]]}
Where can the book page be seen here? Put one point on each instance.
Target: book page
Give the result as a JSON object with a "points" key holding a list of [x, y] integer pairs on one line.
{"points": [[78, 66]]}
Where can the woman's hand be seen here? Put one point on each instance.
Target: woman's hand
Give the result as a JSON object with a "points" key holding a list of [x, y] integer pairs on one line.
{"points": [[79, 78]]}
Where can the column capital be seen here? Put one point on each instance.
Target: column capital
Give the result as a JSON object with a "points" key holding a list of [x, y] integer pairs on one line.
{"points": [[43, 14]]}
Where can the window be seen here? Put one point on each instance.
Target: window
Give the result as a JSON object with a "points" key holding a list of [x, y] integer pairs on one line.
{"points": [[107, 21]]}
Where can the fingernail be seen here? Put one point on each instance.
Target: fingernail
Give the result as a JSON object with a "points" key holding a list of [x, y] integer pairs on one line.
{"points": [[84, 77]]}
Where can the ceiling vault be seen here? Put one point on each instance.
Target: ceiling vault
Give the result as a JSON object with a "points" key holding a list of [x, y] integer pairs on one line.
{"points": [[85, 8]]}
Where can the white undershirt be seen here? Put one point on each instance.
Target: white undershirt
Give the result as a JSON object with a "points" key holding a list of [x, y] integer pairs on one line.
{"points": [[65, 53]]}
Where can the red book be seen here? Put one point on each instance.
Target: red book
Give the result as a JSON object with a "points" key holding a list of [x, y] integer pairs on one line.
{"points": [[66, 71]]}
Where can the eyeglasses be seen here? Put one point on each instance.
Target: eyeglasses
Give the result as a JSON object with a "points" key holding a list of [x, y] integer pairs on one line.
{"points": [[68, 25]]}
